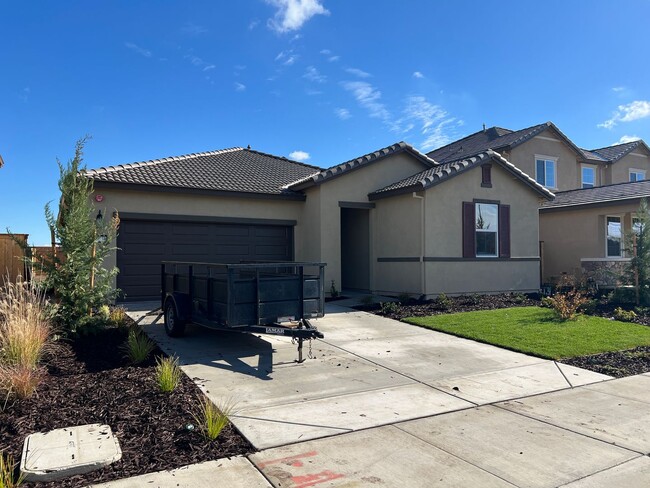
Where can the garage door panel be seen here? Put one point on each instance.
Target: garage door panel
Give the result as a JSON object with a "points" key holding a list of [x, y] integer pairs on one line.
{"points": [[144, 244]]}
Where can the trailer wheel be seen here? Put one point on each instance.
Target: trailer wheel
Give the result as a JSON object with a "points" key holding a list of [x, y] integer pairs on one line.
{"points": [[174, 326]]}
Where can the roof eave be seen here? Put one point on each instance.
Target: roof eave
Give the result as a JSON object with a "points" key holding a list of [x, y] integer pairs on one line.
{"points": [[197, 191]]}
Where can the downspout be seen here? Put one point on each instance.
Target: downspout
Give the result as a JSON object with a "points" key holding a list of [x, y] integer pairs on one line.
{"points": [[423, 276]]}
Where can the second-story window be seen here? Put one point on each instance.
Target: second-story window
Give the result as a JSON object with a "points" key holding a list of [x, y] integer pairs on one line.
{"points": [[545, 172], [588, 177], [637, 174]]}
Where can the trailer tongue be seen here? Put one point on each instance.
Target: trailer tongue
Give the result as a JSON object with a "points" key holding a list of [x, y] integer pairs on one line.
{"points": [[262, 298]]}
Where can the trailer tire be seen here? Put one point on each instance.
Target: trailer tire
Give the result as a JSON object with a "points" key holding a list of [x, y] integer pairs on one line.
{"points": [[174, 326]]}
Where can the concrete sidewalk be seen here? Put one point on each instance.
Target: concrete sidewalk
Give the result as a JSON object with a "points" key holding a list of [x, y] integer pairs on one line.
{"points": [[389, 404]]}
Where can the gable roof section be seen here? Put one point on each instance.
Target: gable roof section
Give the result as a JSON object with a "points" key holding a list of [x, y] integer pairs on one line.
{"points": [[495, 138], [444, 172], [228, 170], [611, 154], [354, 164], [617, 192]]}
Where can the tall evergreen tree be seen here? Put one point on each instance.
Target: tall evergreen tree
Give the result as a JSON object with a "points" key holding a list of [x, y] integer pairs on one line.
{"points": [[638, 248], [77, 274]]}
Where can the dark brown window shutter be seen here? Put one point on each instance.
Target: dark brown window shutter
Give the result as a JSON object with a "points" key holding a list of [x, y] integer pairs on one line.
{"points": [[469, 240], [486, 175], [504, 231]]}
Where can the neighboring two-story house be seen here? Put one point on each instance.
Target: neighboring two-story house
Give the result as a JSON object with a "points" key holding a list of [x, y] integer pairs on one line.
{"points": [[597, 194]]}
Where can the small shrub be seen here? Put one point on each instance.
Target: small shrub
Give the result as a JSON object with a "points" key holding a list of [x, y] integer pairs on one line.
{"points": [[334, 293], [118, 317], [8, 479], [624, 315], [622, 296], [138, 347], [168, 374], [18, 381], [404, 298], [546, 302], [443, 302], [212, 419], [389, 308], [567, 301], [589, 307], [642, 310], [519, 298], [104, 312]]}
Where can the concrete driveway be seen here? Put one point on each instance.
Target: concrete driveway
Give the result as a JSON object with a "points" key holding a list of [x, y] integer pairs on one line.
{"points": [[389, 404]]}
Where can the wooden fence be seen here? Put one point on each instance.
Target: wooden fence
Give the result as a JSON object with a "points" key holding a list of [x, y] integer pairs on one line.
{"points": [[12, 262]]}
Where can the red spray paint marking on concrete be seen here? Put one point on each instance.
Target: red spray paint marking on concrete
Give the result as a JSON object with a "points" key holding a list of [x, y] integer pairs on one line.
{"points": [[308, 480], [291, 460]]}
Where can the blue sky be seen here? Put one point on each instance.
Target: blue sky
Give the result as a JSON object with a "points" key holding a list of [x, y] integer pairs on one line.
{"points": [[318, 80]]}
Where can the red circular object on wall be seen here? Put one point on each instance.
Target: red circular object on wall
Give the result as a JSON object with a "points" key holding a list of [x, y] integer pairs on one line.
{"points": [[99, 198]]}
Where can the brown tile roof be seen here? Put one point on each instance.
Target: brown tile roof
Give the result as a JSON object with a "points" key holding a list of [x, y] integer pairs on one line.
{"points": [[353, 164], [600, 195], [611, 154], [479, 142], [232, 170], [443, 172]]}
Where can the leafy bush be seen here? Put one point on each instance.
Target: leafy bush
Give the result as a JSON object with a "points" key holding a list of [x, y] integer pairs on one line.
{"points": [[518, 298], [168, 374], [25, 328], [212, 419], [389, 308], [569, 298], [546, 302], [8, 479], [589, 307], [138, 347], [622, 296], [443, 302], [624, 315]]}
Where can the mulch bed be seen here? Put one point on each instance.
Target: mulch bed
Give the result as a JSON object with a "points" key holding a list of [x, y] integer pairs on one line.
{"points": [[617, 364], [463, 303], [87, 381]]}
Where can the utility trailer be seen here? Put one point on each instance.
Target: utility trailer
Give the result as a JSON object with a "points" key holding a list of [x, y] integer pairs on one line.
{"points": [[275, 298]]}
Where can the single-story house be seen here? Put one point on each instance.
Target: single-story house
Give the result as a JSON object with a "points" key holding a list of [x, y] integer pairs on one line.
{"points": [[583, 231], [391, 221]]}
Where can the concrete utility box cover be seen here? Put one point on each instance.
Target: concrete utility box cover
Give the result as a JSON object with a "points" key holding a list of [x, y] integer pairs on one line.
{"points": [[66, 452]]}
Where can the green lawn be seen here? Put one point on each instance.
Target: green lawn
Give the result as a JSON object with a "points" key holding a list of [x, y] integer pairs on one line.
{"points": [[534, 330]]}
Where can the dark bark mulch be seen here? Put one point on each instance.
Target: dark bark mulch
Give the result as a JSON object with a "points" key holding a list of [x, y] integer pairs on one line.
{"points": [[617, 364], [87, 382], [463, 303]]}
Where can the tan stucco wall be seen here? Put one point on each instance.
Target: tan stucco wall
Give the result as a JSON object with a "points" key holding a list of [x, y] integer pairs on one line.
{"points": [[324, 214], [568, 168], [619, 172], [444, 212], [398, 223], [461, 277], [570, 235], [397, 236]]}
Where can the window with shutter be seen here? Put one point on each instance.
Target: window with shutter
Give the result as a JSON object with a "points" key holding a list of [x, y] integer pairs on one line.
{"points": [[486, 230]]}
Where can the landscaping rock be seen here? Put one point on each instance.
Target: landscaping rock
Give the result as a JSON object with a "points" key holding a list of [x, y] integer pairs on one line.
{"points": [[65, 452]]}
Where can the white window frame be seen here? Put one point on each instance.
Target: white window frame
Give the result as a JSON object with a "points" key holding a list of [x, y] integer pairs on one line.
{"points": [[476, 231], [552, 159], [632, 171], [620, 218], [582, 181]]}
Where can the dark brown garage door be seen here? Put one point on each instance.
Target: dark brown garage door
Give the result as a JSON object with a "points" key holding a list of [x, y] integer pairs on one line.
{"points": [[143, 244]]}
